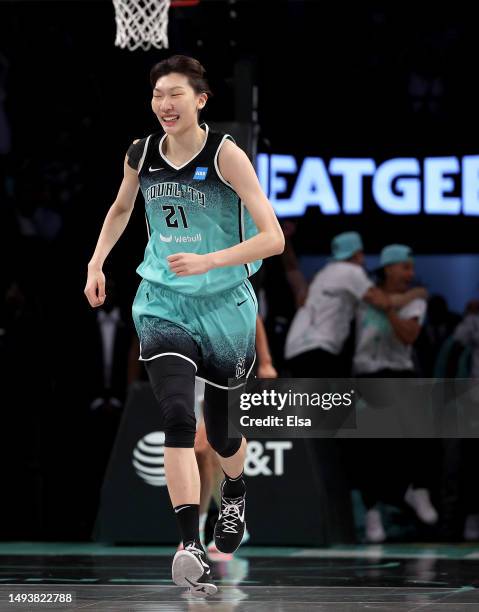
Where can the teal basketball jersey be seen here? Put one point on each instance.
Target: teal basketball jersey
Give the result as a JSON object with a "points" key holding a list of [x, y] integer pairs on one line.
{"points": [[191, 209]]}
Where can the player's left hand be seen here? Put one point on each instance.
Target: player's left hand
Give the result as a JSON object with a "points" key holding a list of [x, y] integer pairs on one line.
{"points": [[185, 264]]}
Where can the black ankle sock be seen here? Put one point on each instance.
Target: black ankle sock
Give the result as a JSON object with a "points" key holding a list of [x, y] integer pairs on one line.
{"points": [[234, 487], [188, 517]]}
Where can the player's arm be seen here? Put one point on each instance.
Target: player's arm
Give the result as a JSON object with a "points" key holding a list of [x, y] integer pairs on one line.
{"points": [[114, 225], [237, 170]]}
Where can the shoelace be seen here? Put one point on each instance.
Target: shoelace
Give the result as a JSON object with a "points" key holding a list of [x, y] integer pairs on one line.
{"points": [[233, 508], [192, 548]]}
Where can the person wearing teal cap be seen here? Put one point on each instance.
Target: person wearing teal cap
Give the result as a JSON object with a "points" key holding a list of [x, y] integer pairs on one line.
{"points": [[384, 345], [321, 326], [395, 253], [346, 245]]}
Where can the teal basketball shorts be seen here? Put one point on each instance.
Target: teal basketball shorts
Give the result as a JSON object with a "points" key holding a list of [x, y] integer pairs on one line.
{"points": [[215, 333]]}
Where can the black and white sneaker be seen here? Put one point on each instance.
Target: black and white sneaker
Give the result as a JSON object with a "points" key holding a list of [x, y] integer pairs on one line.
{"points": [[230, 526], [190, 569]]}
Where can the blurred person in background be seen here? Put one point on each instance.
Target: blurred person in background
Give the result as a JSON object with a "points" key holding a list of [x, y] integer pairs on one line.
{"points": [[384, 349], [318, 343], [322, 324]]}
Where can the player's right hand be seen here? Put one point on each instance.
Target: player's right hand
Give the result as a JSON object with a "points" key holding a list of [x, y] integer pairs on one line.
{"points": [[95, 288]]}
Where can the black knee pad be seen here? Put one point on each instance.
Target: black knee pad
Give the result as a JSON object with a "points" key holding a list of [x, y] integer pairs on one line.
{"points": [[179, 422], [173, 381], [216, 422], [225, 447]]}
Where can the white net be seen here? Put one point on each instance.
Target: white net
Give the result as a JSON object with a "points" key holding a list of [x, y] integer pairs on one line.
{"points": [[141, 24]]}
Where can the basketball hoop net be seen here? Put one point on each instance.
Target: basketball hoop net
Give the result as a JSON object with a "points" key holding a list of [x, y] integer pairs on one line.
{"points": [[141, 24]]}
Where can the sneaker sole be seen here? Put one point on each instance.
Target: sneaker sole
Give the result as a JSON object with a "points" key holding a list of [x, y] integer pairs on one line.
{"points": [[186, 571]]}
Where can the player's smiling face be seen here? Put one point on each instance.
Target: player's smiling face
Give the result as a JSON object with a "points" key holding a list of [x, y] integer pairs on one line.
{"points": [[175, 102]]}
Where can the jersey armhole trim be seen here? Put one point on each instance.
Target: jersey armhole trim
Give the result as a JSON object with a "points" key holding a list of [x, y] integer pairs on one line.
{"points": [[241, 206], [142, 158], [217, 166]]}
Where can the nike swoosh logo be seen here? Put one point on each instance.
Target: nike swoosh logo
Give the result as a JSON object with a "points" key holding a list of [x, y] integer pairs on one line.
{"points": [[154, 169], [239, 303], [197, 588]]}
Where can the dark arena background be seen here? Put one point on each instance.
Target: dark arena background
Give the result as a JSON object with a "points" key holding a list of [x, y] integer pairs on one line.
{"points": [[357, 118]]}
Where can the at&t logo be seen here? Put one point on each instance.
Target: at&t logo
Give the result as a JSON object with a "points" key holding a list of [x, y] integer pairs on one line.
{"points": [[258, 463], [148, 459]]}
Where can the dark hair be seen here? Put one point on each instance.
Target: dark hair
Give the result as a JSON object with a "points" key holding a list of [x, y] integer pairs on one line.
{"points": [[182, 64]]}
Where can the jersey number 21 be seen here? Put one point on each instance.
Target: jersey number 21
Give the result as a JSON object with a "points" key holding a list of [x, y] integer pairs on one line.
{"points": [[171, 216]]}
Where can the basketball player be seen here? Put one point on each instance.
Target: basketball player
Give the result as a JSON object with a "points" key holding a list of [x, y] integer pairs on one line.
{"points": [[209, 226]]}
